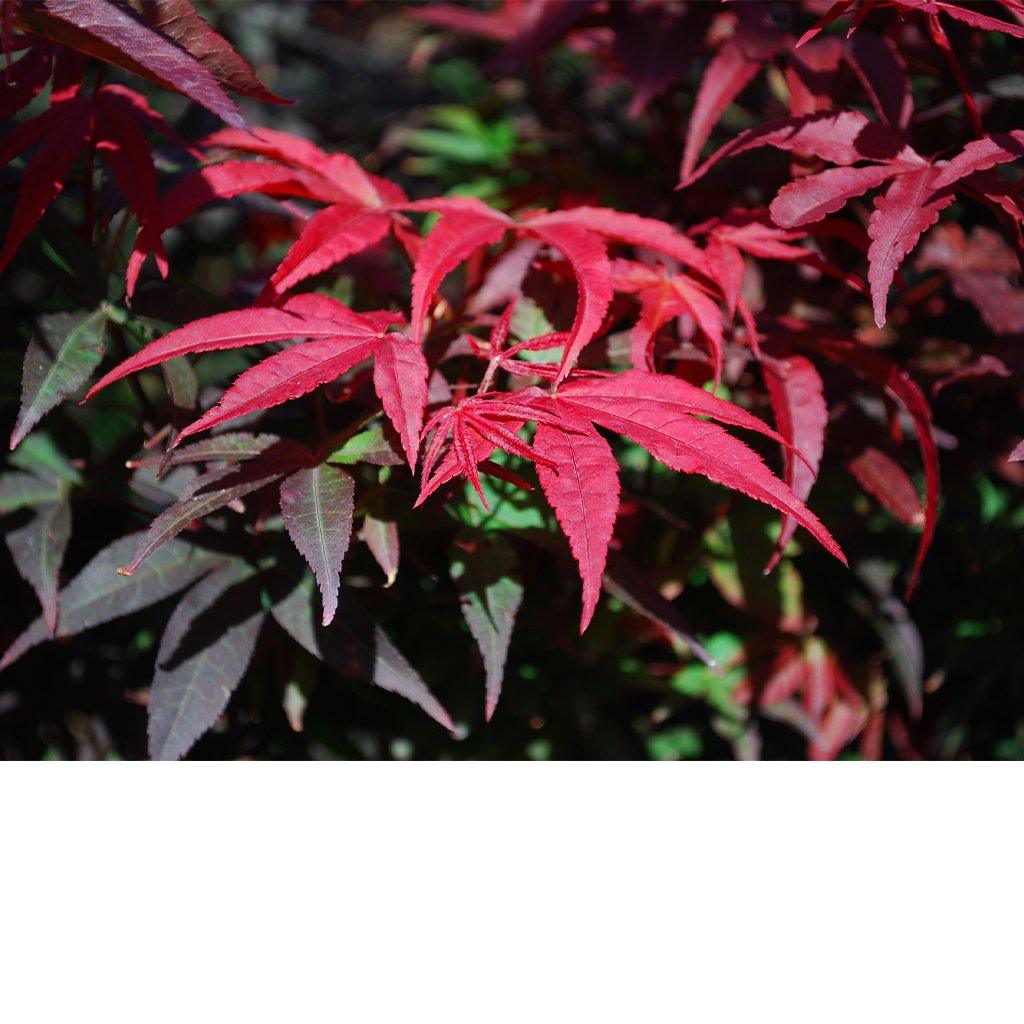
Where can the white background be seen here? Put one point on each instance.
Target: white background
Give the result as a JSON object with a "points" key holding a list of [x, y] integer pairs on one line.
{"points": [[493, 893]]}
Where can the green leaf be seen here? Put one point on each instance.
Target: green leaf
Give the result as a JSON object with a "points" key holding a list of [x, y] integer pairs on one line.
{"points": [[203, 654], [25, 490], [370, 446], [63, 352], [39, 455]]}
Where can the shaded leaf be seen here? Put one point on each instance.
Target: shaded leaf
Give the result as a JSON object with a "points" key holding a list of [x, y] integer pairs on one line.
{"points": [[112, 33], [99, 593], [795, 389], [381, 537], [38, 551], [204, 651], [489, 596], [355, 647], [212, 491], [886, 480], [317, 505], [25, 490]]}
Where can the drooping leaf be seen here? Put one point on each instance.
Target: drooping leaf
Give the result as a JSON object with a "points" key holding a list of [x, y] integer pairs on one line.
{"points": [[115, 34], [124, 148], [650, 413], [24, 490], [626, 582], [284, 376], [355, 647], [204, 651], [179, 20], [99, 593], [877, 62], [400, 380], [331, 236], [754, 43], [224, 330], [795, 389], [899, 385], [64, 350], [583, 488], [317, 506], [454, 237], [46, 172], [38, 551], [886, 480], [212, 491], [490, 596], [182, 390]]}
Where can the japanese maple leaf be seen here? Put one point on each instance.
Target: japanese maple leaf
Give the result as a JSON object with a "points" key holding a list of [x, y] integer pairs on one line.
{"points": [[114, 120], [581, 235], [897, 385], [832, 703], [500, 355], [742, 233], [811, 74], [26, 77], [663, 296], [979, 268], [754, 42], [476, 426], [813, 70], [663, 414], [801, 415], [339, 339], [165, 41], [291, 166], [917, 191], [930, 10]]}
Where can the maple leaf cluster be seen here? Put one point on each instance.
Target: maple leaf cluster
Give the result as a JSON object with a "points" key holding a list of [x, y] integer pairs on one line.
{"points": [[443, 379]]}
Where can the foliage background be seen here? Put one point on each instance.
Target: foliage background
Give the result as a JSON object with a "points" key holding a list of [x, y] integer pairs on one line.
{"points": [[417, 106]]}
